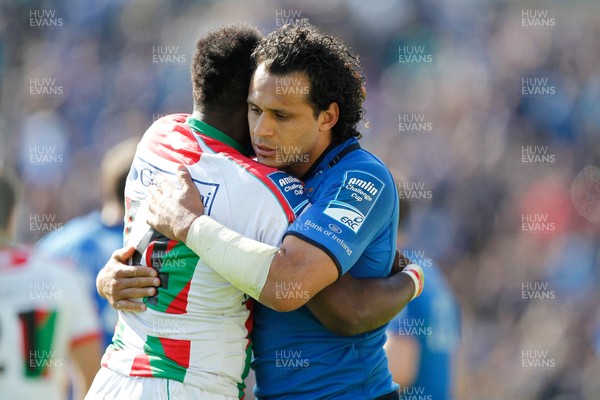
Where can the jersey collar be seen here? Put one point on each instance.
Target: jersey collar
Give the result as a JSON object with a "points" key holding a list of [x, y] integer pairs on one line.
{"points": [[214, 133], [326, 157]]}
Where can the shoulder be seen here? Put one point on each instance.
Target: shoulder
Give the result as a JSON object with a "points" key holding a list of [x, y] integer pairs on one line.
{"points": [[362, 177], [285, 189], [368, 165], [172, 139]]}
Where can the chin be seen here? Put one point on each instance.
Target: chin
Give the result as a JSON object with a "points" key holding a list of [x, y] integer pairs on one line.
{"points": [[269, 162]]}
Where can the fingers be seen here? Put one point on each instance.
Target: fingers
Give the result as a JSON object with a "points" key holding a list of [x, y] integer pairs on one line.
{"points": [[123, 254], [130, 291], [130, 305], [122, 270], [184, 177]]}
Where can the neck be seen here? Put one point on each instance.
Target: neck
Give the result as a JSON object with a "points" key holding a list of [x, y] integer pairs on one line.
{"points": [[234, 125], [299, 170]]}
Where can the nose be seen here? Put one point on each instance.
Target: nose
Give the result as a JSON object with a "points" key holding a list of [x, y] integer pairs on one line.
{"points": [[263, 126]]}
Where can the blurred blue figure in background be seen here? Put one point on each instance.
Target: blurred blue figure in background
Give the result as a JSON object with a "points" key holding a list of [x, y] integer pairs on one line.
{"points": [[88, 241], [424, 337]]}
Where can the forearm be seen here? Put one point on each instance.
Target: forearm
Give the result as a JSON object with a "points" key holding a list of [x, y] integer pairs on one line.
{"points": [[352, 306], [282, 278]]}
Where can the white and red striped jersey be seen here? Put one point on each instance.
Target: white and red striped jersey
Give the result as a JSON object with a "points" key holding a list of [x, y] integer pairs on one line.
{"points": [[196, 328], [45, 309]]}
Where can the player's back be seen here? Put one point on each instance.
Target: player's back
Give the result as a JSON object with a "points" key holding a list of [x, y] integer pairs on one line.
{"points": [[196, 327], [44, 312]]}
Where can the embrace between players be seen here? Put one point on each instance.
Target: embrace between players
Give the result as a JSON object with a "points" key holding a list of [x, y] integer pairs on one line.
{"points": [[210, 230]]}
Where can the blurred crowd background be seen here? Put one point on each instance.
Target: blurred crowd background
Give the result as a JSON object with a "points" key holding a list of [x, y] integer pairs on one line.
{"points": [[487, 112]]}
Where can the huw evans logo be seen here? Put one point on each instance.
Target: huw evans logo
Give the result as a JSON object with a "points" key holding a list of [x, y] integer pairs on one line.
{"points": [[537, 19], [355, 199]]}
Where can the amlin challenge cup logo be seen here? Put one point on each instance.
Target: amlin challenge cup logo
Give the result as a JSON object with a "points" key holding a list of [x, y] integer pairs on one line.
{"points": [[355, 199]]}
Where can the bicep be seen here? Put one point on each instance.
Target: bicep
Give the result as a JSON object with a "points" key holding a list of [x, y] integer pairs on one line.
{"points": [[298, 271]]}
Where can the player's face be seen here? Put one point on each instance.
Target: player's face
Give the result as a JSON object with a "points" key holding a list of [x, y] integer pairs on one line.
{"points": [[284, 130]]}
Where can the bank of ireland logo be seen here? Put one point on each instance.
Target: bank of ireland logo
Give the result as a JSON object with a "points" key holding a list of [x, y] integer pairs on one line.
{"points": [[355, 199]]}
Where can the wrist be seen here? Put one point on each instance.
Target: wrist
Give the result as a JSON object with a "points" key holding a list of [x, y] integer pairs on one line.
{"points": [[418, 277], [185, 224]]}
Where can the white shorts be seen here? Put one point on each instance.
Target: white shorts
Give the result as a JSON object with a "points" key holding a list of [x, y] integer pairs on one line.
{"points": [[109, 385]]}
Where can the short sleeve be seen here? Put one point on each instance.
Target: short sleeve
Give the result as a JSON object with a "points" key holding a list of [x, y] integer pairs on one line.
{"points": [[354, 207]]}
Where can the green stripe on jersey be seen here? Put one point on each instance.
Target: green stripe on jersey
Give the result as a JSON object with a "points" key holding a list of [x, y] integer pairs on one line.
{"points": [[176, 270]]}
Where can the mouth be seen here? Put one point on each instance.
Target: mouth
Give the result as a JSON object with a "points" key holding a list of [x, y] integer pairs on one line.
{"points": [[263, 151]]}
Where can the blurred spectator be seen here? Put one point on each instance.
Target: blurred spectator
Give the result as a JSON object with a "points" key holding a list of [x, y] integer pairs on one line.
{"points": [[88, 241], [502, 94], [47, 321], [423, 339]]}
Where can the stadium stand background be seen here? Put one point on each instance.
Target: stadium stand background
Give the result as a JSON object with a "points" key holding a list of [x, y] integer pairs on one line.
{"points": [[505, 98]]}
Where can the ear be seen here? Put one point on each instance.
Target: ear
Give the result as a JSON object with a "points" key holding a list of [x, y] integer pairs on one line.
{"points": [[328, 118]]}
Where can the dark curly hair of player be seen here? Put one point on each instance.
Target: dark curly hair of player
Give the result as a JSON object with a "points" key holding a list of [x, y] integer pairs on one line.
{"points": [[222, 67], [335, 74]]}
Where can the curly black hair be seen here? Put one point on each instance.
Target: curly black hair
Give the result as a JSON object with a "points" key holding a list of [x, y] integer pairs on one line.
{"points": [[335, 74], [222, 67]]}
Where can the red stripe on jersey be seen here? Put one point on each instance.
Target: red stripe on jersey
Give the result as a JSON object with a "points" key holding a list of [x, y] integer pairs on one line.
{"points": [[250, 321], [141, 366], [179, 303], [177, 350], [149, 251], [171, 139], [258, 170], [171, 244]]}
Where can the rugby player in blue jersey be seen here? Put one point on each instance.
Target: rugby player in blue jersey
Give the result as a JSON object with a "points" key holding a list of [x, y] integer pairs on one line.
{"points": [[304, 104]]}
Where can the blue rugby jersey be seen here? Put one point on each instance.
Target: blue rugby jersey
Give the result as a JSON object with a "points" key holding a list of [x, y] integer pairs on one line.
{"points": [[433, 319], [354, 219]]}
